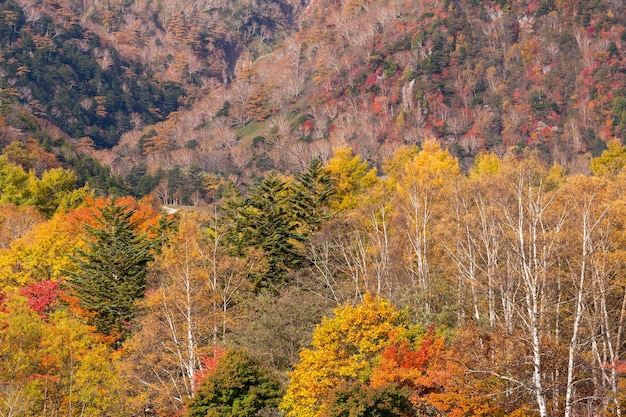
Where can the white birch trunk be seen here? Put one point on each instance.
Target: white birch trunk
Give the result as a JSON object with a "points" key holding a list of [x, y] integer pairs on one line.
{"points": [[533, 241]]}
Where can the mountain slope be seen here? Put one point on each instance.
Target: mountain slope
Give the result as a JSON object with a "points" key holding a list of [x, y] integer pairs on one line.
{"points": [[270, 85], [373, 75]]}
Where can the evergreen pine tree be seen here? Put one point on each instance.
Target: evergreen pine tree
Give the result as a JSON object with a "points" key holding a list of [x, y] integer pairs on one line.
{"points": [[238, 387], [311, 195], [111, 272], [265, 220]]}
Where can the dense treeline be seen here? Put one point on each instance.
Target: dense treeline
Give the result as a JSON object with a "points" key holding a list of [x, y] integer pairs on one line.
{"points": [[496, 292], [480, 274], [376, 75], [68, 75], [261, 86]]}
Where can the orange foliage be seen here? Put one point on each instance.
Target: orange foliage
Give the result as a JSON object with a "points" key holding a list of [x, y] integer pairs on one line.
{"points": [[145, 216], [404, 364], [434, 375]]}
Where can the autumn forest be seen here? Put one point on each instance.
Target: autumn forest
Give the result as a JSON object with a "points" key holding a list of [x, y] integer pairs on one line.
{"points": [[324, 208]]}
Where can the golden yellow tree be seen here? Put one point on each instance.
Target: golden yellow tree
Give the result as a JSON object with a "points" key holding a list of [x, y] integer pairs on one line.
{"points": [[42, 254], [422, 182], [351, 175], [53, 364], [343, 349]]}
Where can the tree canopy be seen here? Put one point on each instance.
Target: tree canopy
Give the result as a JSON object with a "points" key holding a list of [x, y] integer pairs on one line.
{"points": [[110, 273], [238, 386]]}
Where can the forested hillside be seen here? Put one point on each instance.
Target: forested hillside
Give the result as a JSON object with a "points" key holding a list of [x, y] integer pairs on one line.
{"points": [[376, 75], [179, 97], [393, 208], [496, 292]]}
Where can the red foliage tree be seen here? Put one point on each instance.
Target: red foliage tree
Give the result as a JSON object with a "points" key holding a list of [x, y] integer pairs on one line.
{"points": [[209, 364], [42, 296]]}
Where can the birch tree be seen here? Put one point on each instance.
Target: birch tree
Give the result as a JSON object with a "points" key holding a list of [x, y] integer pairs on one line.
{"points": [[533, 222], [589, 208], [187, 311], [422, 181], [176, 324]]}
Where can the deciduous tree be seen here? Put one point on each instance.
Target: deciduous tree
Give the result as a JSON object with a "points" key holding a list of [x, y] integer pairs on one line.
{"points": [[20, 338], [422, 183], [344, 349], [52, 364]]}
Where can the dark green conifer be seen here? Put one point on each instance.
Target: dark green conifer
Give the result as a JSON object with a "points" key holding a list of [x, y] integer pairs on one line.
{"points": [[238, 387], [265, 220], [111, 272], [311, 195], [277, 218]]}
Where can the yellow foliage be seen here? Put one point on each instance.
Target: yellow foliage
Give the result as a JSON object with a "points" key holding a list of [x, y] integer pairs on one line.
{"points": [[20, 336], [54, 366], [343, 348], [529, 50], [89, 379], [555, 178], [400, 121], [395, 165], [431, 167], [43, 254], [486, 164], [611, 161], [350, 176]]}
